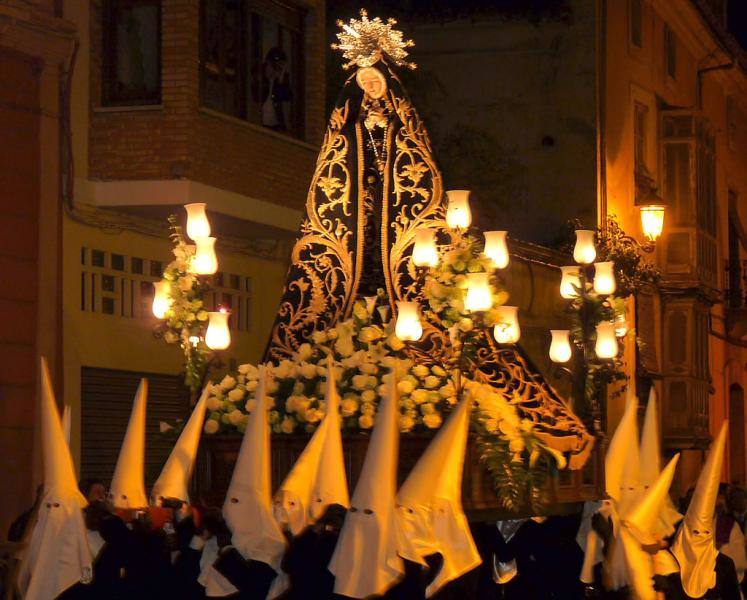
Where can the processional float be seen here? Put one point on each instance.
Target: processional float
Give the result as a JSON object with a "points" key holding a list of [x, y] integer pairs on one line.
{"points": [[375, 189]]}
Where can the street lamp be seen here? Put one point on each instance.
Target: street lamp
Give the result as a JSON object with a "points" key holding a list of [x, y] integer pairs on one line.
{"points": [[652, 221]]}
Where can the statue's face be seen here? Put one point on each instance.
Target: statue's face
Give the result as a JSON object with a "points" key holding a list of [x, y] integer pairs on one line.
{"points": [[372, 82]]}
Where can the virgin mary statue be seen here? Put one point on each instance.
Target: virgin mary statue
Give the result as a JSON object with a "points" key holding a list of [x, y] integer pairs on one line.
{"points": [[375, 183]]}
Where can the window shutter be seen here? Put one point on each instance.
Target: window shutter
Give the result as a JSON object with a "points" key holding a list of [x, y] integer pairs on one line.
{"points": [[106, 402]]}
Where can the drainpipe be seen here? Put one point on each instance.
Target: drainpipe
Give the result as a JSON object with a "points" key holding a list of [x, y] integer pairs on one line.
{"points": [[699, 86], [601, 113]]}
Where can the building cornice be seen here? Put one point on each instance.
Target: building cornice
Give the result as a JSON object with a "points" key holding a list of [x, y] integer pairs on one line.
{"points": [[688, 21], [34, 33]]}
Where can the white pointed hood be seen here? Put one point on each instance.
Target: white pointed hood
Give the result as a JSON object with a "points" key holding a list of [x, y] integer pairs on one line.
{"points": [[128, 483], [173, 482], [318, 477], [651, 466], [248, 506], [365, 561], [695, 546], [630, 482], [66, 423], [430, 502], [57, 556], [639, 529], [621, 461], [621, 484]]}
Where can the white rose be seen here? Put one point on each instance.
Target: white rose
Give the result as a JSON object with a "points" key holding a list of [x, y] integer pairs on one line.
{"points": [[252, 385], [368, 409], [211, 426], [344, 346], [228, 382], [213, 403], [287, 425], [420, 371], [368, 396], [250, 371], [446, 391], [365, 421], [235, 416], [432, 382], [308, 371], [427, 408], [360, 382], [438, 370], [349, 407], [395, 343], [319, 337], [304, 352], [406, 423], [432, 421], [236, 394], [250, 404], [286, 368], [419, 396], [368, 368], [405, 386]]}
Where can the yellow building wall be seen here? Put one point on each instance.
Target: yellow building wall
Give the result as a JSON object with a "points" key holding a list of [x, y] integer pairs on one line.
{"points": [[639, 75], [92, 339]]}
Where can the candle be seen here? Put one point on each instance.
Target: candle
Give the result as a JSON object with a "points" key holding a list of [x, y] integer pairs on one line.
{"points": [[496, 248], [479, 295], [408, 327]]}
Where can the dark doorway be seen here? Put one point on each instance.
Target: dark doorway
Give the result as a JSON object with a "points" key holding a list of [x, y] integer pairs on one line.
{"points": [[736, 434]]}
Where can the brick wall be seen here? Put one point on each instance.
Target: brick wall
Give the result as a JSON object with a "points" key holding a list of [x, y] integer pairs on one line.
{"points": [[180, 139], [19, 238]]}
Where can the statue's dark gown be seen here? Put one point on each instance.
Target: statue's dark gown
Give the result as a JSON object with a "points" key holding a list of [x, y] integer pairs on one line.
{"points": [[375, 183]]}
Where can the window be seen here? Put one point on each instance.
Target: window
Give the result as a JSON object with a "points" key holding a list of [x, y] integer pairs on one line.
{"points": [[252, 62], [706, 193], [131, 70], [636, 23], [640, 123], [670, 52]]}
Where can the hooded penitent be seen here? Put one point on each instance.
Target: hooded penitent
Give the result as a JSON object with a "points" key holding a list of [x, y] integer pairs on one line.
{"points": [[173, 482], [694, 546], [621, 481], [651, 466], [366, 560], [248, 506], [57, 556], [128, 483], [639, 528], [430, 502], [318, 477]]}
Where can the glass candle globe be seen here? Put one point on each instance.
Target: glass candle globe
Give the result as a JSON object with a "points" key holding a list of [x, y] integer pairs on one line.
{"points": [[479, 296], [560, 345], [496, 248], [621, 325], [606, 346], [652, 221], [198, 225], [205, 261], [507, 330], [161, 298], [458, 213], [218, 336], [570, 282], [604, 278], [424, 252], [584, 251], [408, 327]]}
